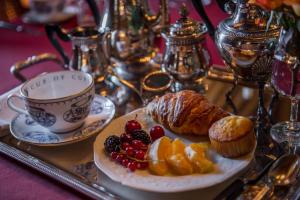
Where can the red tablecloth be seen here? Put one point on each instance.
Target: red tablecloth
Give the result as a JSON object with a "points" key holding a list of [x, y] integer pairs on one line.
{"points": [[16, 180]]}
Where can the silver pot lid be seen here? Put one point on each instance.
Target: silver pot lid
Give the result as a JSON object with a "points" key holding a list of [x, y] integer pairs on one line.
{"points": [[185, 29], [249, 21]]}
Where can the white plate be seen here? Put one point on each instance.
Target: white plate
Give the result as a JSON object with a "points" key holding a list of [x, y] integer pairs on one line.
{"points": [[143, 180], [24, 128]]}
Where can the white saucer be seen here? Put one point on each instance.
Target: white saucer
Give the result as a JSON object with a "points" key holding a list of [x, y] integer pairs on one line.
{"points": [[67, 13], [24, 128]]}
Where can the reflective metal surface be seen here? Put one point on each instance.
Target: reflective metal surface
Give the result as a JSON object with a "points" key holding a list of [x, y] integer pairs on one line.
{"points": [[285, 170], [246, 43], [186, 57], [129, 29], [87, 55], [21, 65], [73, 164]]}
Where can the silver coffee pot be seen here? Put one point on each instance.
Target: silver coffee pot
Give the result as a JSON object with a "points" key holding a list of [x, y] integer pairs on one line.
{"points": [[186, 58], [246, 42], [129, 29]]}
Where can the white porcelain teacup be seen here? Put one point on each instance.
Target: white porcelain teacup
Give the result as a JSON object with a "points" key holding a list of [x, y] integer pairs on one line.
{"points": [[59, 101]]}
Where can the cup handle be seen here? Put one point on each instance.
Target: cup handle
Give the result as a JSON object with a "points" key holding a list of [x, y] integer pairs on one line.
{"points": [[12, 106]]}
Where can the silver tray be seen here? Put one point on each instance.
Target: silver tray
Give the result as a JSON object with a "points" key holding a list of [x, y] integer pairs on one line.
{"points": [[73, 164]]}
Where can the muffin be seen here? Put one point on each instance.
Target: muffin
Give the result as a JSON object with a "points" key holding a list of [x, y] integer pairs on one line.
{"points": [[232, 136]]}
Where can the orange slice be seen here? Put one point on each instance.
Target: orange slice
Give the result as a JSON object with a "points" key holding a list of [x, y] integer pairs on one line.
{"points": [[195, 153], [157, 156]]}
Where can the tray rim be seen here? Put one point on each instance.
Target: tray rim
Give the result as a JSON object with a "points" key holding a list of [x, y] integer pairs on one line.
{"points": [[97, 191]]}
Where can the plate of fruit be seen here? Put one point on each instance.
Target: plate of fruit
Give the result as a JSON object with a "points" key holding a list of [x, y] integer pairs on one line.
{"points": [[179, 142], [136, 151]]}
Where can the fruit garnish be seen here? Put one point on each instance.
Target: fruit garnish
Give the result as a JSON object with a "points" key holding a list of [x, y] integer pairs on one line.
{"points": [[137, 144], [142, 165], [179, 164], [144, 147], [120, 158], [140, 155], [131, 148], [125, 162], [176, 158], [126, 138], [125, 145], [163, 156], [195, 150], [156, 132], [195, 153], [177, 147], [141, 135], [129, 151], [113, 155], [112, 144], [131, 126], [157, 155], [132, 165]]}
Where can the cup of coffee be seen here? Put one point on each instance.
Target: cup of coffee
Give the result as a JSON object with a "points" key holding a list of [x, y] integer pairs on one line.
{"points": [[58, 101]]}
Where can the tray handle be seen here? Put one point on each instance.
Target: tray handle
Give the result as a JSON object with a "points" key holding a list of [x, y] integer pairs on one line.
{"points": [[21, 65]]}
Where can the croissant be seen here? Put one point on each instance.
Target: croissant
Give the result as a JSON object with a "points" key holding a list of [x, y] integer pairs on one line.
{"points": [[185, 112]]}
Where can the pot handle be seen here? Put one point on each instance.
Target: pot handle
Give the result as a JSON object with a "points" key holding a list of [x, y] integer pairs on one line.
{"points": [[223, 4], [230, 6], [21, 65], [200, 9], [93, 6], [51, 30]]}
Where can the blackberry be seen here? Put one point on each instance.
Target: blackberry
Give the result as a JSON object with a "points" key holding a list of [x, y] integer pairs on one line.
{"points": [[141, 135], [112, 144]]}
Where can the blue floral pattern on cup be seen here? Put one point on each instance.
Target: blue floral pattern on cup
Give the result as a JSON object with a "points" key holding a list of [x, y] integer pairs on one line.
{"points": [[79, 110], [42, 117]]}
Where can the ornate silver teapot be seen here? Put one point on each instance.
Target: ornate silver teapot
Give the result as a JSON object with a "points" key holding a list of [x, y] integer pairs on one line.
{"points": [[129, 33], [246, 43], [185, 57]]}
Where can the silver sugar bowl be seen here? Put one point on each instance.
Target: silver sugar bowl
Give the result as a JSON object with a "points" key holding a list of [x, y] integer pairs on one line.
{"points": [[185, 58]]}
